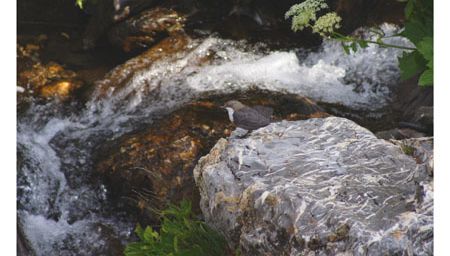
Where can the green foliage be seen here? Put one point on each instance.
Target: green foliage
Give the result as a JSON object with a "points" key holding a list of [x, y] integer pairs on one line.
{"points": [[409, 64], [305, 14], [418, 29], [180, 235], [80, 3], [409, 150], [426, 78]]}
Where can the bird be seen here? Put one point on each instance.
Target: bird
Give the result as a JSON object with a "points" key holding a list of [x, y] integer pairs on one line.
{"points": [[248, 118]]}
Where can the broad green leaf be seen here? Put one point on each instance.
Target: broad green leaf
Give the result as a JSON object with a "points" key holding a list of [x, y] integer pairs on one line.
{"points": [[426, 79], [425, 46], [410, 64], [415, 31]]}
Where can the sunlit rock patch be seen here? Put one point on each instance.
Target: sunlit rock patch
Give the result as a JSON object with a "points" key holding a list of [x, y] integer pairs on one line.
{"points": [[323, 186], [49, 81], [36, 80], [122, 75]]}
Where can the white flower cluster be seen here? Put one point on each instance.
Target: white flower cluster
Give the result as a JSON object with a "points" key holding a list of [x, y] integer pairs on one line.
{"points": [[327, 23], [305, 12]]}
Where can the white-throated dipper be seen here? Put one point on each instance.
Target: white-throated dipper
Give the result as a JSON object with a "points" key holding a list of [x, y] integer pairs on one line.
{"points": [[248, 118]]}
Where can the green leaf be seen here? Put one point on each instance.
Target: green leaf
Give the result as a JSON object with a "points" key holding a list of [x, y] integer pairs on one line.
{"points": [[79, 3], [410, 64], [425, 47], [380, 42], [415, 31], [409, 8], [363, 44], [354, 46], [426, 79], [430, 64], [180, 235], [345, 47], [150, 235], [139, 231], [175, 244]]}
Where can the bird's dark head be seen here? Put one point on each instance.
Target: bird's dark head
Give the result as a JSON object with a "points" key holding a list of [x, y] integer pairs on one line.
{"points": [[234, 104]]}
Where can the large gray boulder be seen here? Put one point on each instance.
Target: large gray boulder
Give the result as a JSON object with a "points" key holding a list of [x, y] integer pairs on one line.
{"points": [[316, 187]]}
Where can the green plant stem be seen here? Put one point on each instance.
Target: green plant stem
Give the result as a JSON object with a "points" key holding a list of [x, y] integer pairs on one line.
{"points": [[353, 39], [390, 45]]}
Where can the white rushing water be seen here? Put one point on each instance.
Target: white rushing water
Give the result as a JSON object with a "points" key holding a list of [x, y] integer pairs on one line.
{"points": [[361, 80], [63, 212]]}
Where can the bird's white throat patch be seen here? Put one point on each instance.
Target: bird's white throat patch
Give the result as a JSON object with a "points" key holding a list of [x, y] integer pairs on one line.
{"points": [[230, 113]]}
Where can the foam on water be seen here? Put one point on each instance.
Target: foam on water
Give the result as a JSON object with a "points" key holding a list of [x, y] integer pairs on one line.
{"points": [[361, 80], [60, 210]]}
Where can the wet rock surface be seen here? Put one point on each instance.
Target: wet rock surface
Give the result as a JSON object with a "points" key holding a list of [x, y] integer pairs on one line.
{"points": [[320, 186], [42, 77], [105, 13], [375, 12], [416, 105], [31, 14], [424, 118], [123, 74], [145, 29], [49, 81], [399, 134], [39, 82], [146, 169], [421, 149]]}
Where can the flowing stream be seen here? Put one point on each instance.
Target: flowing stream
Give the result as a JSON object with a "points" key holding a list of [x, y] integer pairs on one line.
{"points": [[63, 206]]}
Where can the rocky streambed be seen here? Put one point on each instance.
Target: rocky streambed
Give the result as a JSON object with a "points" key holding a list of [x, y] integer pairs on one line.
{"points": [[103, 147]]}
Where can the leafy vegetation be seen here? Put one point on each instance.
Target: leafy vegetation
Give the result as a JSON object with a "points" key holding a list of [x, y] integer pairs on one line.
{"points": [[409, 150], [418, 29], [180, 235], [80, 3]]}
